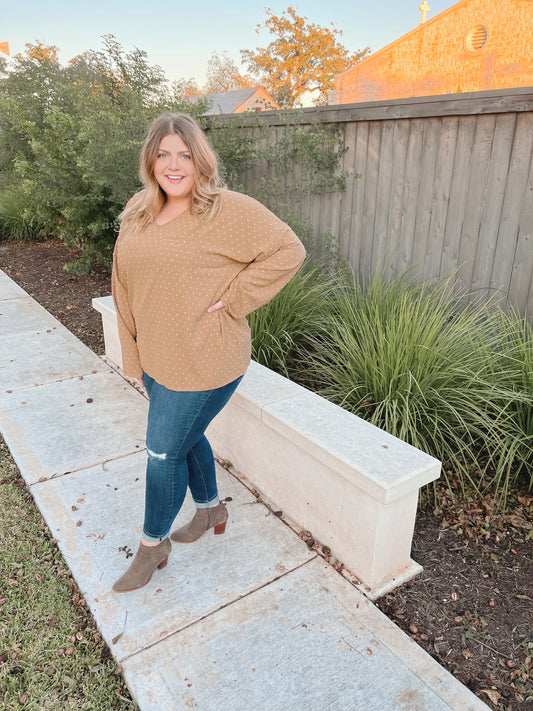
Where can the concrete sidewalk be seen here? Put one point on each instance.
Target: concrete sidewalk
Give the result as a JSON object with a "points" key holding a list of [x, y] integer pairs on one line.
{"points": [[249, 620]]}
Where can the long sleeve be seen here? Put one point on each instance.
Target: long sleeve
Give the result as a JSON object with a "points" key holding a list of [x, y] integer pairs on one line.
{"points": [[126, 323], [263, 278]]}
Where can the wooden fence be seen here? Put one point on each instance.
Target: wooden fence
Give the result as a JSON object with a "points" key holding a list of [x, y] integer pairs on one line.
{"points": [[446, 188]]}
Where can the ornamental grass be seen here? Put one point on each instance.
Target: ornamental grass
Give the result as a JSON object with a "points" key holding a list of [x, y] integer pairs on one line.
{"points": [[283, 329]]}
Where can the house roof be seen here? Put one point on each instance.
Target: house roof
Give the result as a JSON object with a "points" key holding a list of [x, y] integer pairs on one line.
{"points": [[227, 101]]}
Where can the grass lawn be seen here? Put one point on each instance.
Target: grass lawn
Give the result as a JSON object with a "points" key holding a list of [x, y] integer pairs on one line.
{"points": [[51, 653]]}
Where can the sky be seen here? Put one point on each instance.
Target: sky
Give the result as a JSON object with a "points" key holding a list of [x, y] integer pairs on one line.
{"points": [[182, 36]]}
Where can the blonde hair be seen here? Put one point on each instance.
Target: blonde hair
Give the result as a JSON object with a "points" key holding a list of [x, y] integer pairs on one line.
{"points": [[205, 199]]}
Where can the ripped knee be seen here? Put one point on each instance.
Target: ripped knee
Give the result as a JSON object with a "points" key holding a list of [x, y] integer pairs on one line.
{"points": [[155, 455]]}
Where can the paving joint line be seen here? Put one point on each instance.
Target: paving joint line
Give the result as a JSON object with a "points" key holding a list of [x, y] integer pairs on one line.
{"points": [[58, 475], [78, 376], [218, 609]]}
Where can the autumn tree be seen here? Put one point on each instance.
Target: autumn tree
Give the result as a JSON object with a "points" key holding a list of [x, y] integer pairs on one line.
{"points": [[187, 88], [40, 53], [302, 57], [223, 75]]}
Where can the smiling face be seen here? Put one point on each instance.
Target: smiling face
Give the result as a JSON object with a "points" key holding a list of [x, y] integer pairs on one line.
{"points": [[174, 169]]}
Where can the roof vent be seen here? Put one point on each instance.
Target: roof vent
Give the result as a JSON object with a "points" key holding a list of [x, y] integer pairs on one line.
{"points": [[476, 38]]}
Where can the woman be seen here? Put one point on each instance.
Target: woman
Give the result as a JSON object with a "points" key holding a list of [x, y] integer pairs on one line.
{"points": [[191, 261]]}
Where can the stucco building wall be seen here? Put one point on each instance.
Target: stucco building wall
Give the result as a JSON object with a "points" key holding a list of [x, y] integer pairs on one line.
{"points": [[434, 58]]}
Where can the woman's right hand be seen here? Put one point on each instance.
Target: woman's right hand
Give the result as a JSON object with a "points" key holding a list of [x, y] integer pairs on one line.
{"points": [[215, 307]]}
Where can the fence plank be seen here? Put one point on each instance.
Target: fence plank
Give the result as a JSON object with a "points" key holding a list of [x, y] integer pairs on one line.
{"points": [[513, 204], [425, 198], [370, 182], [395, 211], [441, 198], [348, 165], [493, 200], [475, 194], [521, 287], [361, 142], [410, 194], [457, 206], [380, 242], [333, 216]]}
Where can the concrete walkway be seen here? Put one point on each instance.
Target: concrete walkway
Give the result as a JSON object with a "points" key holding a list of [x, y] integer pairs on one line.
{"points": [[249, 620]]}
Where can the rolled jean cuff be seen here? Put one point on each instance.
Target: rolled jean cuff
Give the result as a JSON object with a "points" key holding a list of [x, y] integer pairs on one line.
{"points": [[153, 539], [207, 504]]}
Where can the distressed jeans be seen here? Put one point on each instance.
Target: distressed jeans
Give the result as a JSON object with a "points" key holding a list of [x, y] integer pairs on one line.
{"points": [[179, 454]]}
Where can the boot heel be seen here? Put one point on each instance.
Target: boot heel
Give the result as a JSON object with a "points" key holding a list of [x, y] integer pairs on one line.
{"points": [[220, 528], [163, 563]]}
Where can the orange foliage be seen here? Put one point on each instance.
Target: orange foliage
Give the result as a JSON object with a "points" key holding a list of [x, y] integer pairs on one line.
{"points": [[41, 53], [303, 57]]}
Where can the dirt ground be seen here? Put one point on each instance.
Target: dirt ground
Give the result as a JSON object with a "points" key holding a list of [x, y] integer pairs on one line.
{"points": [[470, 608]]}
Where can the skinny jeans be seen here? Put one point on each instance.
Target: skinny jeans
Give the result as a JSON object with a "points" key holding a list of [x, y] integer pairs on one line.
{"points": [[179, 455]]}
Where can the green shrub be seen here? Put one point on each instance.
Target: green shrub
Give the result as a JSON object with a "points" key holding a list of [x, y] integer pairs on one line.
{"points": [[70, 138], [302, 161], [235, 144], [17, 221], [282, 329], [450, 379], [510, 399], [305, 160]]}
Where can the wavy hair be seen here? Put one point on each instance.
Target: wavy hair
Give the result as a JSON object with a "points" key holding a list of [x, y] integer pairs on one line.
{"points": [[205, 199]]}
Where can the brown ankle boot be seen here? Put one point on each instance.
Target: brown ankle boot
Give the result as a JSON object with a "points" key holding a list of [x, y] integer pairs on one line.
{"points": [[203, 520], [148, 558]]}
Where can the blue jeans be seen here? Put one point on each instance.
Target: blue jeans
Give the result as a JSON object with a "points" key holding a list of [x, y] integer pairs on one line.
{"points": [[179, 454]]}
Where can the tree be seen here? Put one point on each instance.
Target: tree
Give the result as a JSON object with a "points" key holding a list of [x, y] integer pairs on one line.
{"points": [[185, 88], [223, 75], [303, 57], [41, 53], [114, 69], [70, 139]]}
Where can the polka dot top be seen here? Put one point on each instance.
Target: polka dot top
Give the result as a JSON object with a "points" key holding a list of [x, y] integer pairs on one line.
{"points": [[165, 277]]}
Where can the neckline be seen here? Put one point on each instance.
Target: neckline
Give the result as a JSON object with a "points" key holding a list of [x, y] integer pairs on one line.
{"points": [[164, 224]]}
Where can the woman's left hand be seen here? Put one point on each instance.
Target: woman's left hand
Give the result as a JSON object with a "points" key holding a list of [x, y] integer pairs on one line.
{"points": [[215, 307]]}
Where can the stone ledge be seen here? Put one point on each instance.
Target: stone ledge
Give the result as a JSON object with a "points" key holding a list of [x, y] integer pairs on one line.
{"points": [[106, 307]]}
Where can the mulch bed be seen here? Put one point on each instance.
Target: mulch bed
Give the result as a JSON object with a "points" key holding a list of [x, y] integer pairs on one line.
{"points": [[470, 608], [39, 269]]}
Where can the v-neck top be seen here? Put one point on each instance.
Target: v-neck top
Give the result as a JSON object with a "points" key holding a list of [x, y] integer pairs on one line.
{"points": [[165, 277]]}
